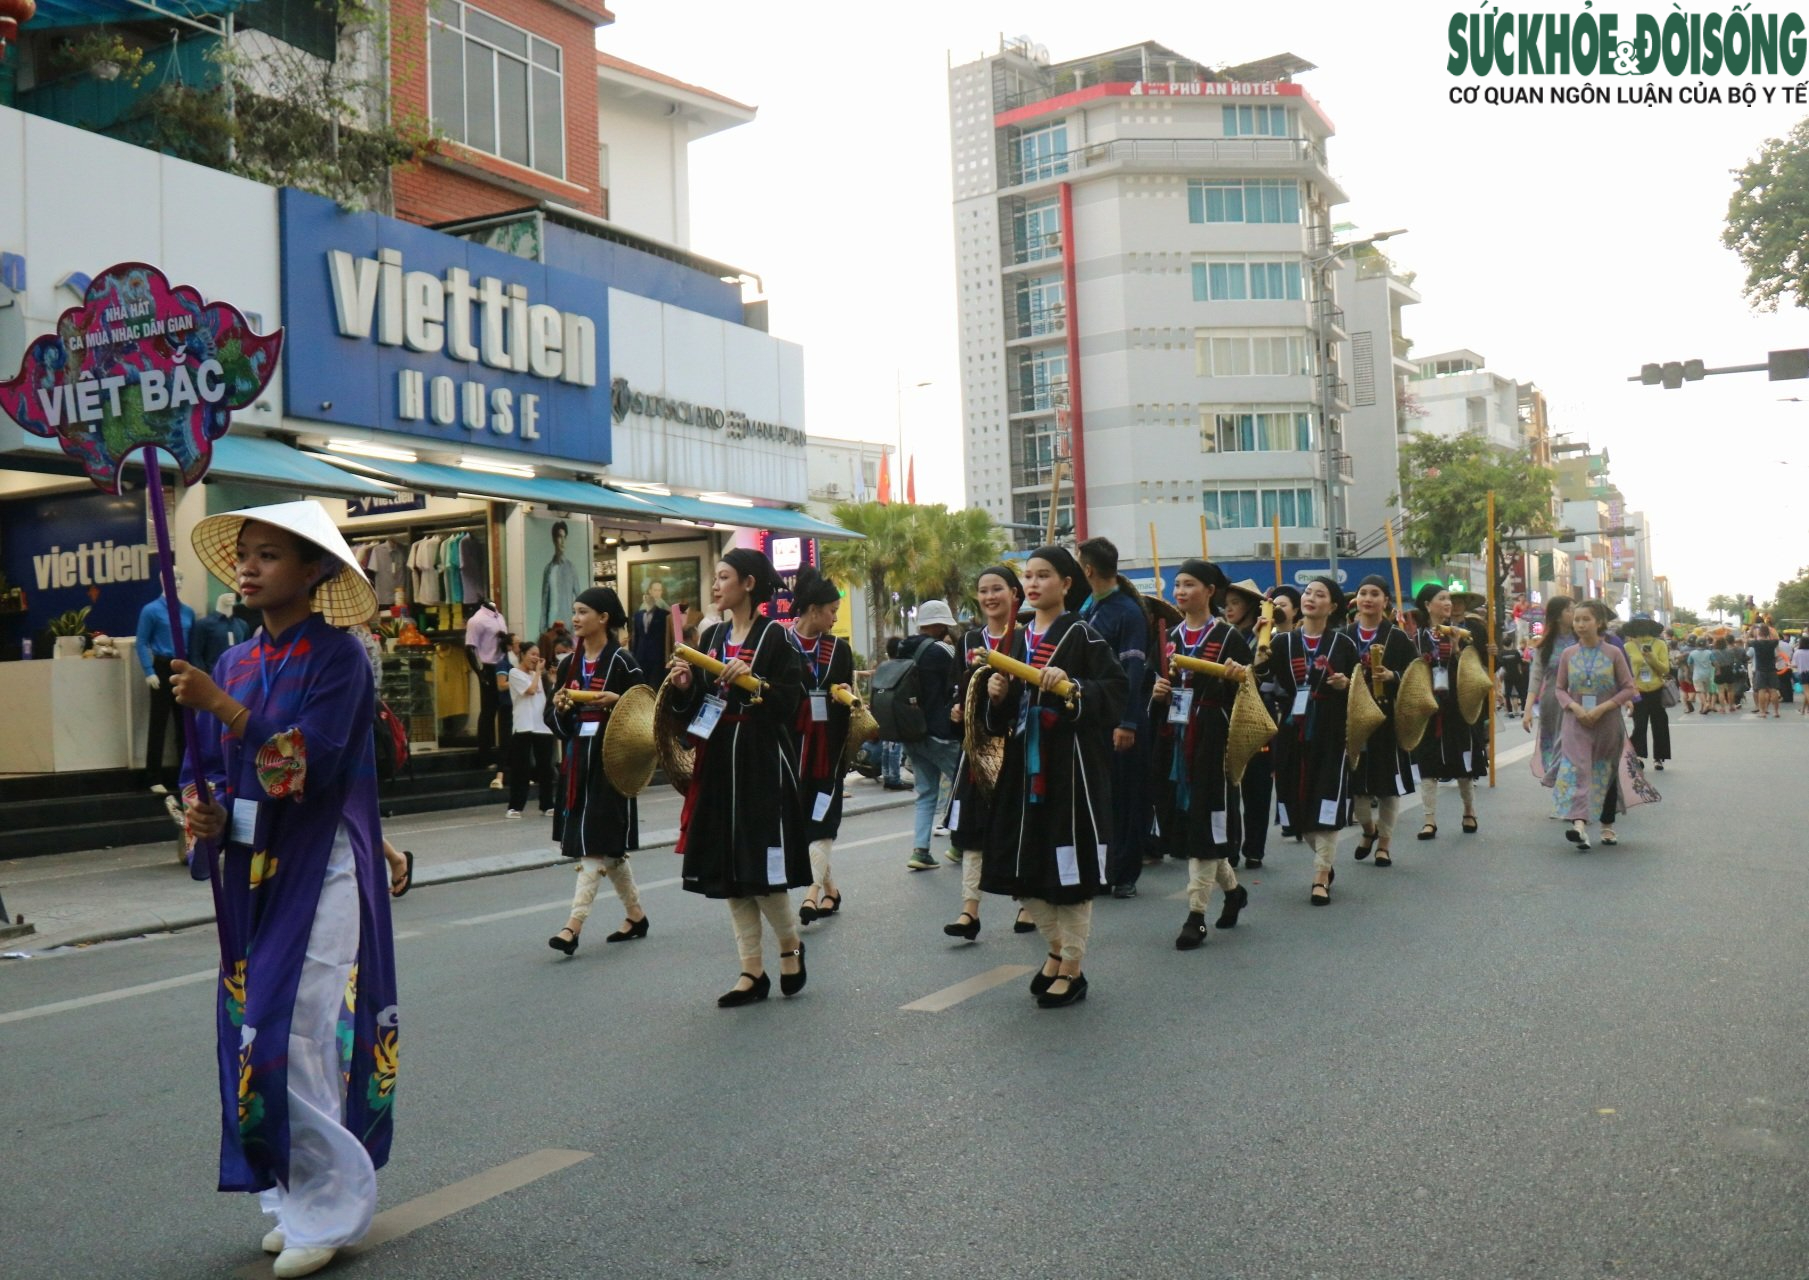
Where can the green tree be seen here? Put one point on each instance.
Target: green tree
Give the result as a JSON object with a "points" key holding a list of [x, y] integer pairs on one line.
{"points": [[1722, 605], [1445, 485], [952, 548], [1768, 221], [883, 560], [1683, 617], [1792, 603]]}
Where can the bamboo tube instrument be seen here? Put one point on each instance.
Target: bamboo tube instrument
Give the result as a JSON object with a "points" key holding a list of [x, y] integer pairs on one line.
{"points": [[1066, 690], [844, 695], [747, 683], [1202, 666]]}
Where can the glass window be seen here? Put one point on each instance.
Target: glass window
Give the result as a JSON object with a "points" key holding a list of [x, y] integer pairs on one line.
{"points": [[1042, 153], [495, 88], [480, 97], [512, 111], [1038, 229], [447, 79], [1258, 122], [1259, 200]]}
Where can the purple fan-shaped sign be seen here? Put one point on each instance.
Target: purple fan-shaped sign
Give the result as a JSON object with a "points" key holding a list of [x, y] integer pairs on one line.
{"points": [[141, 363]]}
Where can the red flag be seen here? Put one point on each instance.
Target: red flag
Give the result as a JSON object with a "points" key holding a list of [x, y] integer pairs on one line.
{"points": [[911, 481], [885, 479]]}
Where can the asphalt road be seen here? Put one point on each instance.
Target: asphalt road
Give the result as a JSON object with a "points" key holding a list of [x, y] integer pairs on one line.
{"points": [[1499, 1058]]}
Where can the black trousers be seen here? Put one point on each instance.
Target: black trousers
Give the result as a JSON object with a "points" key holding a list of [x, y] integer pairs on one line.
{"points": [[1651, 710], [531, 759], [494, 712], [1259, 807], [164, 714], [1131, 811]]}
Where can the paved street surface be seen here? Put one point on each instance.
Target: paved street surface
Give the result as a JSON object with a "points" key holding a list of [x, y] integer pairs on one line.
{"points": [[1500, 1058]]}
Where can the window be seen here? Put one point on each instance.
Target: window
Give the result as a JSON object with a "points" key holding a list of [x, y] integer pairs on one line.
{"points": [[1042, 153], [1042, 380], [1036, 512], [1243, 430], [1242, 281], [1257, 122], [1039, 305], [1243, 200], [1038, 230], [1258, 508], [1264, 355], [495, 87]]}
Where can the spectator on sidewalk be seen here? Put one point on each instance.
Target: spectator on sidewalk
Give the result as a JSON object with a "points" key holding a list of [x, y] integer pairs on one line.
{"points": [[935, 757], [531, 742]]}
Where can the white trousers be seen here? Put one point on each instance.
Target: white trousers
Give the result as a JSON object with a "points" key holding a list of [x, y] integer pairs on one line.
{"points": [[970, 877], [1466, 788], [1065, 928], [590, 872], [746, 914], [332, 1191], [819, 862], [1202, 875], [1379, 812], [1323, 844]]}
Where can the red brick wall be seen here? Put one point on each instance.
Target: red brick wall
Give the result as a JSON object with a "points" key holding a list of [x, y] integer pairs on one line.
{"points": [[437, 191]]}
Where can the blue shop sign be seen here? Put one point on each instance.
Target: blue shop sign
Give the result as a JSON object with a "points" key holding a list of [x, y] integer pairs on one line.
{"points": [[393, 327], [79, 550]]}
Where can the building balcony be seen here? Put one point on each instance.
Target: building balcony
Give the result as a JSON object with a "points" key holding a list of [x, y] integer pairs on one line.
{"points": [[1337, 395], [1043, 399], [1043, 324], [1331, 322], [1168, 155], [1043, 251]]}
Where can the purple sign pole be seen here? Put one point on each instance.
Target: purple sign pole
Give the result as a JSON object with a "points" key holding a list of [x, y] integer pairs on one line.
{"points": [[143, 365]]}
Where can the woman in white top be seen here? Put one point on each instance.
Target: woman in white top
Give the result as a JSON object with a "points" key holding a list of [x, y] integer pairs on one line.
{"points": [[531, 743]]}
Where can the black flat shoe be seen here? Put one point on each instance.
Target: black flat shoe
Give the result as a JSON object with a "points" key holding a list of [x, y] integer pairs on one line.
{"points": [[1383, 859], [1469, 824], [831, 903], [1429, 831], [970, 930], [1233, 859], [1320, 895], [1367, 843], [1039, 981], [1193, 933], [736, 996], [1076, 992], [635, 929], [567, 945], [792, 983], [1235, 901], [1253, 864], [1021, 925], [408, 876]]}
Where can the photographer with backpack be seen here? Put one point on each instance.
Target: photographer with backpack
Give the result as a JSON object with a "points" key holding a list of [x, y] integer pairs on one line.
{"points": [[912, 696]]}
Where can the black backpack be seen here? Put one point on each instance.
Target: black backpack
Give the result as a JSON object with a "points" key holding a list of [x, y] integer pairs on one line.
{"points": [[897, 696]]}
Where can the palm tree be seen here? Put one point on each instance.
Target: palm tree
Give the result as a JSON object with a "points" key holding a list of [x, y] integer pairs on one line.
{"points": [[954, 547], [879, 560]]}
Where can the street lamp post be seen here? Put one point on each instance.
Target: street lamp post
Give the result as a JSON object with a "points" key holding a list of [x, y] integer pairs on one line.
{"points": [[898, 401]]}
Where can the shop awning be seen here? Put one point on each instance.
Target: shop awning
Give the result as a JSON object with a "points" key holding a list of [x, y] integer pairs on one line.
{"points": [[733, 515], [547, 491], [88, 13], [252, 459]]}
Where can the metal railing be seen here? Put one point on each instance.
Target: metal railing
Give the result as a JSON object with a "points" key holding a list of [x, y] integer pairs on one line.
{"points": [[1173, 153]]}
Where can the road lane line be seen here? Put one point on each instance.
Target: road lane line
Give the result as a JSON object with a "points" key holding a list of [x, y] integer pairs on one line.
{"points": [[862, 844], [424, 1211], [949, 997], [107, 997]]}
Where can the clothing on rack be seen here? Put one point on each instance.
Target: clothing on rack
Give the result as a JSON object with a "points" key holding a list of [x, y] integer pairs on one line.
{"points": [[424, 562]]}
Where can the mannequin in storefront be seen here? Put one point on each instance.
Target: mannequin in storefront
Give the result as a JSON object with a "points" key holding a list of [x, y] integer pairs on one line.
{"points": [[558, 581], [648, 639], [156, 647], [483, 650], [218, 632]]}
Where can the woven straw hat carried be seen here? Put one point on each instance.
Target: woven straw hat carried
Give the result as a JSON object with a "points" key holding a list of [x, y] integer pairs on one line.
{"points": [[1251, 728], [671, 740], [345, 597], [1362, 716], [1414, 706], [985, 751], [1473, 685], [862, 729], [629, 750]]}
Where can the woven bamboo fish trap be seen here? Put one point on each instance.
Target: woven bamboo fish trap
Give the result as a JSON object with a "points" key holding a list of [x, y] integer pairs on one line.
{"points": [[670, 739], [985, 752], [1414, 706], [1474, 687], [1362, 715], [1251, 728]]}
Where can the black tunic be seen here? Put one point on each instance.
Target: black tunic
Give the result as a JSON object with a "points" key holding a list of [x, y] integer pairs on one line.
{"points": [[600, 822], [1050, 828], [1449, 748], [969, 808], [742, 831], [1312, 779], [824, 662], [1384, 769], [1201, 819]]}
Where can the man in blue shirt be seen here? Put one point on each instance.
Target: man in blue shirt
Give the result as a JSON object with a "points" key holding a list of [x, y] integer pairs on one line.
{"points": [[156, 646], [1118, 617]]}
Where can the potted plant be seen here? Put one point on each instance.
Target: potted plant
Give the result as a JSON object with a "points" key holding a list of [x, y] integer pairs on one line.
{"points": [[104, 55], [71, 632]]}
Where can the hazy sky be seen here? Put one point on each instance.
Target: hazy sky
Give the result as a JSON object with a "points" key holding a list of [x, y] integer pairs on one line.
{"points": [[1567, 244]]}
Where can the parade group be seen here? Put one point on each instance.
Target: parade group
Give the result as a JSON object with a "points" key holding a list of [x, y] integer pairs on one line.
{"points": [[1090, 728]]}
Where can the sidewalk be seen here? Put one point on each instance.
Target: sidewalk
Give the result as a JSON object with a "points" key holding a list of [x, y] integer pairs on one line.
{"points": [[104, 894]]}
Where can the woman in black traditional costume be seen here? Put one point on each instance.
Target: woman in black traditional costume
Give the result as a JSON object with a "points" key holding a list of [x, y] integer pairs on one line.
{"points": [[742, 832], [1383, 773], [1312, 665], [1046, 843], [1205, 817], [822, 727], [1448, 751]]}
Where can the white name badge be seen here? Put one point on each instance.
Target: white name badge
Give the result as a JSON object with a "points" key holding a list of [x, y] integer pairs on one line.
{"points": [[588, 729], [1588, 702], [1180, 705], [1328, 812], [819, 706], [1441, 680], [243, 827], [1300, 702], [775, 865], [821, 807], [954, 815], [1218, 828], [1067, 864], [703, 724]]}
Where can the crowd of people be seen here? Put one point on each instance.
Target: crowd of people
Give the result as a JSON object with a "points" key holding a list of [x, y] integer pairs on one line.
{"points": [[1074, 734]]}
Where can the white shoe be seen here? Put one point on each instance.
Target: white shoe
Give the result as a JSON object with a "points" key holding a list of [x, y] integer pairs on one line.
{"points": [[273, 1240], [513, 813], [158, 789], [941, 831], [496, 783], [302, 1262]]}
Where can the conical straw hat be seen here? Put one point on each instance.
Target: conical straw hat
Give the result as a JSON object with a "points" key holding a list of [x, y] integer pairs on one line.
{"points": [[1473, 685], [670, 740], [1362, 717], [1251, 728], [629, 753], [1414, 706], [345, 597]]}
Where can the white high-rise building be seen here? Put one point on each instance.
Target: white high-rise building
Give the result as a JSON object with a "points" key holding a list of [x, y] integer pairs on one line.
{"points": [[1144, 250]]}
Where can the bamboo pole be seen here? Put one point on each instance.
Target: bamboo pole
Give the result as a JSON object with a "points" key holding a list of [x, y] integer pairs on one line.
{"points": [[713, 666], [1277, 547], [1490, 648], [1064, 690], [1155, 557], [1394, 567], [1205, 547], [1204, 666]]}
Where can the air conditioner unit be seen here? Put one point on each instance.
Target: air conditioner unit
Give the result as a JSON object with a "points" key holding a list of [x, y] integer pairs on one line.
{"points": [[1296, 550], [1265, 548], [1316, 550]]}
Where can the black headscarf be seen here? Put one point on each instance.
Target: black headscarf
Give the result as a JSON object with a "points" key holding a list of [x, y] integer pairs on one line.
{"points": [[1337, 594], [748, 563], [1291, 594], [812, 589], [1211, 575], [1378, 581], [1008, 575], [605, 601], [1067, 567]]}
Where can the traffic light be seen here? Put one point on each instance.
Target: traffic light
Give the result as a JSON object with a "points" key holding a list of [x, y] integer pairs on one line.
{"points": [[1672, 374]]}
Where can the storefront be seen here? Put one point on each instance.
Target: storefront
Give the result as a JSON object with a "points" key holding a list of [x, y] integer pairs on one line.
{"points": [[482, 424]]}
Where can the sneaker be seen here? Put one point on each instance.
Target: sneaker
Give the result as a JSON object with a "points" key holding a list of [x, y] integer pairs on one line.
{"points": [[513, 813], [301, 1262], [952, 856], [921, 860], [1124, 891], [158, 789], [940, 830]]}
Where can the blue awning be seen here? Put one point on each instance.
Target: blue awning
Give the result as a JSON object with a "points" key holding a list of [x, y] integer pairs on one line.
{"points": [[247, 458], [736, 516], [90, 13], [563, 495]]}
